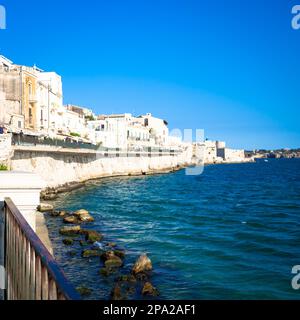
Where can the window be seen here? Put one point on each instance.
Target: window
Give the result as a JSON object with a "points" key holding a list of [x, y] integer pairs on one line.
{"points": [[42, 116], [19, 124], [29, 88]]}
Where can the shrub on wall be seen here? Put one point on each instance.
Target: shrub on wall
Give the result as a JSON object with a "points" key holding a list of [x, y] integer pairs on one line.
{"points": [[74, 134], [3, 167]]}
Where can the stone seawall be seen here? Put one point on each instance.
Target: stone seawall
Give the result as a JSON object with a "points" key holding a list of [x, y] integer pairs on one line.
{"points": [[60, 166]]}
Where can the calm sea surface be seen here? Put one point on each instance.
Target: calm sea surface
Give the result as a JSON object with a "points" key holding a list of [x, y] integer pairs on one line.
{"points": [[231, 233]]}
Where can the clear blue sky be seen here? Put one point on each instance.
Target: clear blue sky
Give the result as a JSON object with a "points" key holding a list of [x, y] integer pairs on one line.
{"points": [[230, 67]]}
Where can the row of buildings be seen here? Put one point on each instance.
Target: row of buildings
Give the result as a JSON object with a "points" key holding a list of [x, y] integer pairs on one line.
{"points": [[31, 101], [217, 152]]}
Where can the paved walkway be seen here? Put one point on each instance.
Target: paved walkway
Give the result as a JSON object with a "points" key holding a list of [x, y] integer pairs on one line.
{"points": [[42, 231]]}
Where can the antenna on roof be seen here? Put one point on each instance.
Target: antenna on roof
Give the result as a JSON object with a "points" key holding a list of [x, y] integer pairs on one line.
{"points": [[37, 68]]}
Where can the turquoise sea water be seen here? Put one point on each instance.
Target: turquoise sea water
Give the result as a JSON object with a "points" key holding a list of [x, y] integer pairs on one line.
{"points": [[231, 233]]}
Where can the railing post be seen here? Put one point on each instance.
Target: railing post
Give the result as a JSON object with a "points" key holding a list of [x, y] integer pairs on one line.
{"points": [[2, 252]]}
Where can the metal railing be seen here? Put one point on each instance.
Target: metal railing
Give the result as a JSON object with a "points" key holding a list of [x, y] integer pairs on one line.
{"points": [[30, 270], [27, 140]]}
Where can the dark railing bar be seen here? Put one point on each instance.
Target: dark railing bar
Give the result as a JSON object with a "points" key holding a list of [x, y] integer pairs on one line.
{"points": [[47, 260]]}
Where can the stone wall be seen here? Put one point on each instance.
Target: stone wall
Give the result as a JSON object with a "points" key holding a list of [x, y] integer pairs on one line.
{"points": [[63, 166], [5, 149]]}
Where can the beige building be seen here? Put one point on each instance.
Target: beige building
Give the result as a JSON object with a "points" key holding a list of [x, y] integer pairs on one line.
{"points": [[88, 114], [11, 114], [31, 99]]}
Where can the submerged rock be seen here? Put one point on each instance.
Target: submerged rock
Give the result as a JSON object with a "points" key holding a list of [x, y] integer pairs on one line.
{"points": [[83, 215], [142, 264], [110, 255], [107, 255], [127, 278], [149, 290], [104, 272], [117, 293], [111, 244], [45, 207], [72, 253], [114, 262], [107, 271], [83, 243], [92, 236], [69, 230], [142, 276], [68, 242], [84, 291], [119, 253], [91, 253]]}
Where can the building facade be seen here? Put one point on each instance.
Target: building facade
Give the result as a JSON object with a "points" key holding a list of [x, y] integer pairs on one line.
{"points": [[11, 114]]}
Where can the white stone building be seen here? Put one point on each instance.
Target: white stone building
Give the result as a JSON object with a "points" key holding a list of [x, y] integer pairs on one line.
{"points": [[49, 103], [120, 131], [158, 128], [73, 123], [210, 153]]}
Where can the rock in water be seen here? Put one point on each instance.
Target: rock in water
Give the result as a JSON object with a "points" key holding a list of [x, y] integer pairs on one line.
{"points": [[111, 244], [149, 290], [92, 236], [84, 291], [69, 230], [115, 262], [127, 278], [63, 213], [119, 253], [68, 242], [45, 207], [142, 264], [91, 253], [117, 294], [50, 196], [83, 215], [107, 255], [71, 219]]}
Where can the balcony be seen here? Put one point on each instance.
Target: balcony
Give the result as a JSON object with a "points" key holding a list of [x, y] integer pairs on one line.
{"points": [[32, 98]]}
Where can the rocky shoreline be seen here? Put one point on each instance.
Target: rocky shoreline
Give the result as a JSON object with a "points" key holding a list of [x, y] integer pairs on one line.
{"points": [[78, 229], [52, 193]]}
